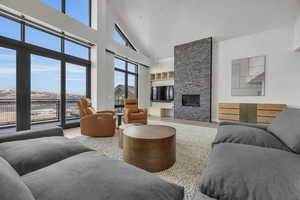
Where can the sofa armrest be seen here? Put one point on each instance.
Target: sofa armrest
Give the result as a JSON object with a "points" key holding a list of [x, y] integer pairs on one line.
{"points": [[31, 134], [260, 126]]}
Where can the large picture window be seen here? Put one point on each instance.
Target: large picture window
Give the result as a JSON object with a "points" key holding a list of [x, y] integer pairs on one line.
{"points": [[41, 77], [126, 82], [42, 38], [12, 28], [77, 9]]}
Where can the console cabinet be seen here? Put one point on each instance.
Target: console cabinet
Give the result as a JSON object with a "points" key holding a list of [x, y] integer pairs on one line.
{"points": [[250, 113]]}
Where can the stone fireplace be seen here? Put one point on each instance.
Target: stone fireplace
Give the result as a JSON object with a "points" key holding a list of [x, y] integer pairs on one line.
{"points": [[192, 86], [191, 100]]}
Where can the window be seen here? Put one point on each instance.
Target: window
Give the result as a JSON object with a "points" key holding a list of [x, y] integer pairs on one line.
{"points": [[126, 82], [120, 38], [42, 39], [75, 90], [132, 68], [119, 88], [46, 83], [77, 50], [7, 87], [77, 9], [132, 89], [12, 29], [54, 3], [45, 89], [120, 64]]}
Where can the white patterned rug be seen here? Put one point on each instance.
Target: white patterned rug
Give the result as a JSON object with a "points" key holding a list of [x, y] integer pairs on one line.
{"points": [[193, 143]]}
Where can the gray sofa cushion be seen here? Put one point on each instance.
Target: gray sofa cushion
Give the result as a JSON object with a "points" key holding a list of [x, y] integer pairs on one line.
{"points": [[247, 135], [244, 172], [260, 126], [92, 176], [286, 126], [31, 134], [11, 185], [32, 154]]}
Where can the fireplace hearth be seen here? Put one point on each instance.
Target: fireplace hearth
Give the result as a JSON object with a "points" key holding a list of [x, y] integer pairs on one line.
{"points": [[191, 100]]}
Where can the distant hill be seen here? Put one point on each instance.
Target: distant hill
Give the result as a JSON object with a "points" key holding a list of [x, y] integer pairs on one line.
{"points": [[11, 94]]}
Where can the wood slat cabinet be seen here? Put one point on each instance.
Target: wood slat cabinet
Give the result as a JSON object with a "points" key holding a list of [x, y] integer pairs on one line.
{"points": [[229, 111], [253, 113], [267, 112]]}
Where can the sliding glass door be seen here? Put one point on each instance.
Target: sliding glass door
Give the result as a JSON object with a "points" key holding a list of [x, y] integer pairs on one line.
{"points": [[45, 89], [76, 88], [8, 82]]}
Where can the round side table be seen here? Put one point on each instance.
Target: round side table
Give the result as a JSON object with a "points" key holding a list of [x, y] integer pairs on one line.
{"points": [[150, 147]]}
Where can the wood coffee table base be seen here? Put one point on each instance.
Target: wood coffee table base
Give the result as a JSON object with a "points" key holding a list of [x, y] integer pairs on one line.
{"points": [[153, 155]]}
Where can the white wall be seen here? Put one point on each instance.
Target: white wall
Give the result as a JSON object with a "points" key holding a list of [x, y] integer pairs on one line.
{"points": [[144, 87], [164, 65], [282, 68], [101, 34], [297, 35]]}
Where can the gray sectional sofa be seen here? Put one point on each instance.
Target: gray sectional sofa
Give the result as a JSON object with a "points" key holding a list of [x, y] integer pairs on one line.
{"points": [[44, 165], [255, 162]]}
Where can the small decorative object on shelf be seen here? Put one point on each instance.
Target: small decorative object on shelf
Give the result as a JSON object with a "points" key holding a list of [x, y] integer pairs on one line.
{"points": [[158, 76], [162, 76], [171, 75], [152, 77]]}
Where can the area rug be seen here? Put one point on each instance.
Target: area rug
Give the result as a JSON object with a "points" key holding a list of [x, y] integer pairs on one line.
{"points": [[193, 144]]}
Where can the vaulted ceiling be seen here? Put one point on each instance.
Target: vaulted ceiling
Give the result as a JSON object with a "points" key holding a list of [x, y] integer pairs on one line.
{"points": [[159, 25]]}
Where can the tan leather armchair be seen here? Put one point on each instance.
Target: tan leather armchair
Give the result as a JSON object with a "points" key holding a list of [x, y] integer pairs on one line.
{"points": [[96, 124], [132, 114]]}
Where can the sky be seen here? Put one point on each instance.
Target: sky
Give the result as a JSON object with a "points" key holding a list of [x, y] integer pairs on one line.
{"points": [[45, 72]]}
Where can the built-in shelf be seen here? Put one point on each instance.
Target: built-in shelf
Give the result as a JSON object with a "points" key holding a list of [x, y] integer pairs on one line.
{"points": [[166, 112], [162, 76]]}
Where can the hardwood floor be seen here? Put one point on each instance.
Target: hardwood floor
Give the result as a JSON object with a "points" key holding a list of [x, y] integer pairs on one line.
{"points": [[75, 132], [195, 123]]}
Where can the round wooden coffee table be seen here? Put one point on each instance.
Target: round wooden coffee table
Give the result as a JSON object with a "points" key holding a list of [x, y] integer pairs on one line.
{"points": [[121, 130], [150, 147]]}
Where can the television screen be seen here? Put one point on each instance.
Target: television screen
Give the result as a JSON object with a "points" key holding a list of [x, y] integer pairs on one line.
{"points": [[162, 93]]}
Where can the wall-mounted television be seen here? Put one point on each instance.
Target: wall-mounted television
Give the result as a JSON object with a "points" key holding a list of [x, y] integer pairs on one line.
{"points": [[162, 93]]}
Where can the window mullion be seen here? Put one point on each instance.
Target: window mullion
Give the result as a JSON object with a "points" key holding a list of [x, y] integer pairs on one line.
{"points": [[22, 31], [63, 6], [126, 79]]}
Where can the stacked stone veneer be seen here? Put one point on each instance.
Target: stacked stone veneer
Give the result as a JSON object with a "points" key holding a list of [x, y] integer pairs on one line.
{"points": [[193, 66]]}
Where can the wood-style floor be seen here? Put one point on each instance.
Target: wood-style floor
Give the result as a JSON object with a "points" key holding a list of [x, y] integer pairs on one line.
{"points": [[75, 132], [195, 123]]}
